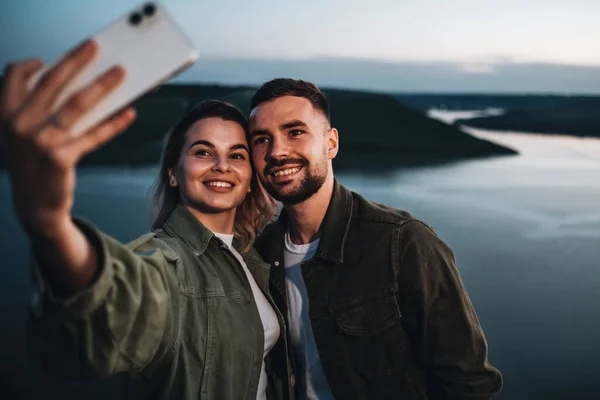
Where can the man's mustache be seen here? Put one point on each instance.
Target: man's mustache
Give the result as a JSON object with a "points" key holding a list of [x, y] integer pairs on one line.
{"points": [[272, 163]]}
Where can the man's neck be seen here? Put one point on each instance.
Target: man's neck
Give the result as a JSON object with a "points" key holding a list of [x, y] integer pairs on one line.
{"points": [[306, 217]]}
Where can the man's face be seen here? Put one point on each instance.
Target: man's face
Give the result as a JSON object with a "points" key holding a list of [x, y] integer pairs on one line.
{"points": [[292, 145]]}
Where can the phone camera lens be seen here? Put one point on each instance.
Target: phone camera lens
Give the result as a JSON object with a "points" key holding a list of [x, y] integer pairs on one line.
{"points": [[149, 9], [135, 19]]}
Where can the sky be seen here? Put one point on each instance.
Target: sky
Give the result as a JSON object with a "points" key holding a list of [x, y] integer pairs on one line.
{"points": [[390, 45]]}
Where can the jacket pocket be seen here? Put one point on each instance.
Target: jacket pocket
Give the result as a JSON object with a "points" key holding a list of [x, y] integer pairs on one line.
{"points": [[371, 331], [368, 316]]}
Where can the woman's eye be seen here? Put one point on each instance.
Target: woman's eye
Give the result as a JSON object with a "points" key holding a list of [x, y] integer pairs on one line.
{"points": [[202, 152], [296, 132], [238, 156]]}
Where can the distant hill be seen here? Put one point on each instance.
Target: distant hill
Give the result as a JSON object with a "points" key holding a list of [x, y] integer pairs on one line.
{"points": [[376, 131], [460, 102], [549, 114], [581, 121]]}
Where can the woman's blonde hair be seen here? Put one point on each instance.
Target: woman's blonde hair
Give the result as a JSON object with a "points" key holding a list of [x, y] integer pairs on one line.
{"points": [[256, 210]]}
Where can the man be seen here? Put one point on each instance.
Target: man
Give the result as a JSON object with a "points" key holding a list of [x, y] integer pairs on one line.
{"points": [[375, 307]]}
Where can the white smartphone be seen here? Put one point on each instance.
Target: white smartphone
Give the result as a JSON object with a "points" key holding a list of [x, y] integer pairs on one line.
{"points": [[151, 48]]}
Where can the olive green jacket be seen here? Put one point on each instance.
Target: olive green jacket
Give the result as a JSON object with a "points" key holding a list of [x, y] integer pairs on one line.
{"points": [[173, 309]]}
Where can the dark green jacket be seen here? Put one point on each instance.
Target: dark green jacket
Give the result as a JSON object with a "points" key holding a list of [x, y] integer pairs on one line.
{"points": [[173, 309], [388, 309]]}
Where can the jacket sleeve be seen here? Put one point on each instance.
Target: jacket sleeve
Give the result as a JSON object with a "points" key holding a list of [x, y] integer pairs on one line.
{"points": [[124, 320], [440, 320]]}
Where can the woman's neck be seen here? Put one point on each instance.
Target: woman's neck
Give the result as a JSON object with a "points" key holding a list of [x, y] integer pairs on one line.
{"points": [[216, 222]]}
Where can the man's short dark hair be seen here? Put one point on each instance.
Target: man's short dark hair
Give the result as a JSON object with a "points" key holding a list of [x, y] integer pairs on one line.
{"points": [[291, 87]]}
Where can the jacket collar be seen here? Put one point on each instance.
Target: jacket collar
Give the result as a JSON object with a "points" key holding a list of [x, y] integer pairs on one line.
{"points": [[334, 228], [184, 225]]}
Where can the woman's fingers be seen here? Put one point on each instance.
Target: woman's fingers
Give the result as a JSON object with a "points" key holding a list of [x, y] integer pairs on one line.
{"points": [[83, 101], [57, 127], [53, 82], [93, 139], [26, 113], [14, 89]]}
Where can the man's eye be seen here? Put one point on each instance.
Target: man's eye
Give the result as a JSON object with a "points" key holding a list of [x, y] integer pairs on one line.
{"points": [[261, 140], [296, 132]]}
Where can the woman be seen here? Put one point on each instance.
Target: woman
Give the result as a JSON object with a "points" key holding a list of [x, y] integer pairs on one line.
{"points": [[184, 310]]}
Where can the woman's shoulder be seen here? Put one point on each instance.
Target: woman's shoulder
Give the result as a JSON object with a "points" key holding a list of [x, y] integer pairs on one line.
{"points": [[156, 241]]}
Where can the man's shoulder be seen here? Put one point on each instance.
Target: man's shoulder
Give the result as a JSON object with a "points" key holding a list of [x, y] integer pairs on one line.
{"points": [[368, 210], [411, 226]]}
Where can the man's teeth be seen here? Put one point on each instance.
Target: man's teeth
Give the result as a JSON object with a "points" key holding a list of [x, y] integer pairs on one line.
{"points": [[286, 171], [219, 184]]}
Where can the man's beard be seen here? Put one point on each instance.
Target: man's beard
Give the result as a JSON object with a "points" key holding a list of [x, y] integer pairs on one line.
{"points": [[313, 180]]}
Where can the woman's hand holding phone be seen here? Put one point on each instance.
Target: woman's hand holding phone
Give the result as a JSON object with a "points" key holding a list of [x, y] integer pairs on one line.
{"points": [[39, 151], [51, 118], [41, 155]]}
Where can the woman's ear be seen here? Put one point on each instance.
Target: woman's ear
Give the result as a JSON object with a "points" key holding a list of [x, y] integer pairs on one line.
{"points": [[172, 178]]}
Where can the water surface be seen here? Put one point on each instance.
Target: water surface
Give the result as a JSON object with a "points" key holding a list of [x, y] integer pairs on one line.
{"points": [[525, 230]]}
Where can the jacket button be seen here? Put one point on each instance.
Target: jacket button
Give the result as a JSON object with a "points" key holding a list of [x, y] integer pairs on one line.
{"points": [[292, 380], [277, 265]]}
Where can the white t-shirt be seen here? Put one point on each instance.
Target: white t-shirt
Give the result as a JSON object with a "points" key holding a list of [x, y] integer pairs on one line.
{"points": [[267, 315], [311, 383]]}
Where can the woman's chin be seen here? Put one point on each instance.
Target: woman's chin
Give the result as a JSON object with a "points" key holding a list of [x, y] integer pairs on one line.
{"points": [[217, 207], [211, 202]]}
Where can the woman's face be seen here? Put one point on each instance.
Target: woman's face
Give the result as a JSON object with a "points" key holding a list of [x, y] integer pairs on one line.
{"points": [[214, 170]]}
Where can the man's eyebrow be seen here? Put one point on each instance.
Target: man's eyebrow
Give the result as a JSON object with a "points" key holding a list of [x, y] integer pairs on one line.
{"points": [[293, 124], [296, 123], [204, 142]]}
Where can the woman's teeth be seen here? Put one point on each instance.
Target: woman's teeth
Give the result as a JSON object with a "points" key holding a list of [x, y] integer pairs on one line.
{"points": [[219, 184]]}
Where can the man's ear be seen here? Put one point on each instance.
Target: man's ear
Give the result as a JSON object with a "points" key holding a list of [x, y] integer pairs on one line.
{"points": [[333, 143], [172, 178]]}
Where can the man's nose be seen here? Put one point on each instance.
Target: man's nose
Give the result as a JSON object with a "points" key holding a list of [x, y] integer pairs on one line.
{"points": [[278, 149]]}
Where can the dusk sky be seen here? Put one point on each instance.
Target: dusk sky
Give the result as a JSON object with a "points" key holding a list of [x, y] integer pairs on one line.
{"points": [[436, 45]]}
